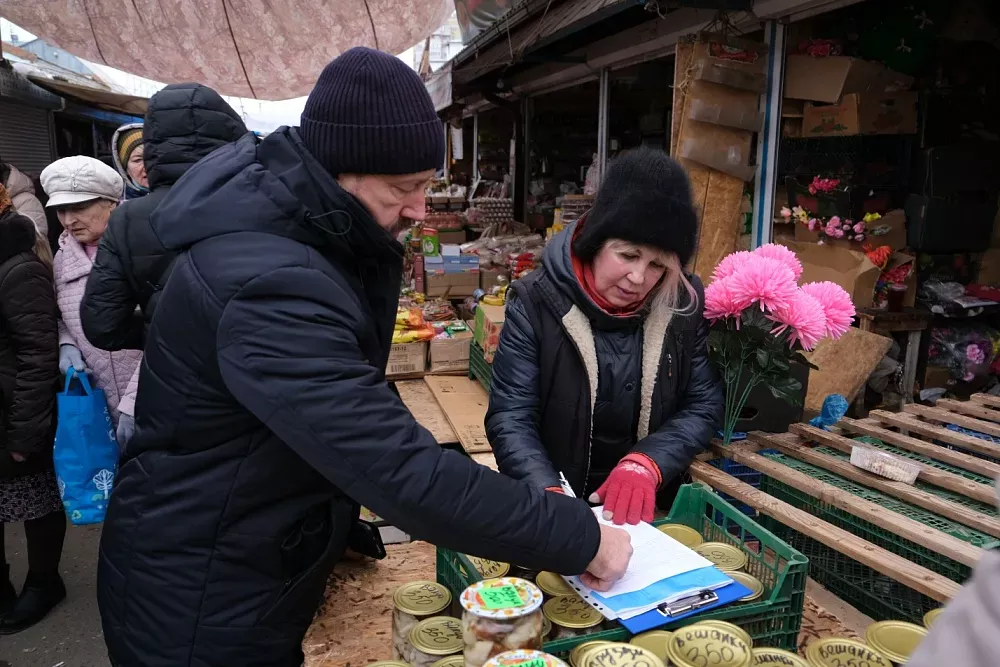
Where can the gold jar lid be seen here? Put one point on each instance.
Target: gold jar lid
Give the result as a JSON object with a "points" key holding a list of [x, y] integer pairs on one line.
{"points": [[450, 661], [489, 569], [837, 651], [700, 644], [655, 641], [440, 635], [731, 628], [932, 616], [621, 655], [552, 584], [766, 656], [751, 582], [579, 652], [422, 598], [686, 535], [895, 639], [724, 556], [571, 611], [524, 658], [394, 663]]}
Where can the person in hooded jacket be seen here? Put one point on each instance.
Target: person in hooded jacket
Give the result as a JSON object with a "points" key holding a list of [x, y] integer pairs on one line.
{"points": [[21, 191], [128, 157], [184, 123], [29, 371], [602, 371], [265, 420]]}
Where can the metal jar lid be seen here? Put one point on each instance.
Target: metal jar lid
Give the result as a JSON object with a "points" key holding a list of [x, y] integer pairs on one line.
{"points": [[837, 651], [751, 582], [731, 628], [724, 556], [572, 611], [524, 657], [686, 535], [392, 663], [655, 641], [579, 652], [553, 584], [502, 598], [932, 616], [422, 598], [489, 569], [621, 655], [766, 656], [440, 635], [450, 661], [895, 639], [699, 644]]}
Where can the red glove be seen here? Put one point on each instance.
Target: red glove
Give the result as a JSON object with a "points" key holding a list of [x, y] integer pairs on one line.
{"points": [[629, 493]]}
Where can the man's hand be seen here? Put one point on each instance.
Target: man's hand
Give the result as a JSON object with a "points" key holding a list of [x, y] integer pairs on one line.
{"points": [[611, 561]]}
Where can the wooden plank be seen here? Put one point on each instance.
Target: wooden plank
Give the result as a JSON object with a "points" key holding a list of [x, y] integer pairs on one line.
{"points": [[426, 410], [946, 417], [464, 403], [872, 427], [885, 562], [929, 474], [796, 447], [916, 425], [864, 349], [986, 399], [896, 523], [968, 408]]}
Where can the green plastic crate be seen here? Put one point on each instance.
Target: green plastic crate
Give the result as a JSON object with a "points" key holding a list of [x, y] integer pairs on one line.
{"points": [[773, 620], [478, 368]]}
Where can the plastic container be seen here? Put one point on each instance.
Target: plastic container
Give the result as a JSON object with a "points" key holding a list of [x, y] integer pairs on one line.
{"points": [[500, 615], [412, 603], [884, 465]]}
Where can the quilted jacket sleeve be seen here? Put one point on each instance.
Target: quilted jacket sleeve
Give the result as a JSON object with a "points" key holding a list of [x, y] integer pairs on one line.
{"points": [[699, 410], [28, 314], [109, 312], [514, 412], [288, 351]]}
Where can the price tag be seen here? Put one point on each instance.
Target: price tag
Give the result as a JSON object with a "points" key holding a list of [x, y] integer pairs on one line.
{"points": [[501, 597], [534, 662]]}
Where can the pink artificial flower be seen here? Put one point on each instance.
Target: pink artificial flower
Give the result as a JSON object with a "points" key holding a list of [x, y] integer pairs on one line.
{"points": [[720, 302], [763, 280], [786, 212], [975, 354], [835, 221], [837, 306], [814, 225], [846, 226], [803, 318], [838, 233], [859, 228], [783, 255], [859, 238], [730, 264]]}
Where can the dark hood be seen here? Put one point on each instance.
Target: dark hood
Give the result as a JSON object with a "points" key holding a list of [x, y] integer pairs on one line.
{"points": [[184, 123], [272, 186], [17, 234], [559, 265]]}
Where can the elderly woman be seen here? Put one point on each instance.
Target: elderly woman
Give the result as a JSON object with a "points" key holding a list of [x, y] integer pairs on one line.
{"points": [[602, 373], [128, 154], [83, 191], [28, 375]]}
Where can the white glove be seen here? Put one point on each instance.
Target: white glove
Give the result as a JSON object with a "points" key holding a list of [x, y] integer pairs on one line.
{"points": [[126, 429], [69, 356]]}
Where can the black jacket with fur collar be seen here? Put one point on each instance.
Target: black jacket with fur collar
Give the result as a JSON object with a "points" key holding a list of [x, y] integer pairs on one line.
{"points": [[29, 350]]}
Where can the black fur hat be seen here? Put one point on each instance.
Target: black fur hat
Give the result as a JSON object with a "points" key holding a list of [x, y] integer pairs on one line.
{"points": [[645, 199], [17, 234]]}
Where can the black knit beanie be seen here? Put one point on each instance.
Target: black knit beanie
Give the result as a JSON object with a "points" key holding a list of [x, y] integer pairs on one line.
{"points": [[370, 114], [645, 198]]}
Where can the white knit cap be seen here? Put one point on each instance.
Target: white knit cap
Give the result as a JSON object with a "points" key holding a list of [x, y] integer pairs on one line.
{"points": [[76, 179]]}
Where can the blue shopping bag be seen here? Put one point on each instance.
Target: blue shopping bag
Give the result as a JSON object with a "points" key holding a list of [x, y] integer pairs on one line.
{"points": [[85, 452]]}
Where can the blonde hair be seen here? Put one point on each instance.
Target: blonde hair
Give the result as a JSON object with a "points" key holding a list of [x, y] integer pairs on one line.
{"points": [[43, 250], [668, 293]]}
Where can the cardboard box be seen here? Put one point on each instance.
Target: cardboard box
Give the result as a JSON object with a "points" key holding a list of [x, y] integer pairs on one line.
{"points": [[451, 236], [862, 113], [828, 79], [445, 264], [851, 269], [489, 324], [892, 224], [449, 355], [407, 359], [455, 284]]}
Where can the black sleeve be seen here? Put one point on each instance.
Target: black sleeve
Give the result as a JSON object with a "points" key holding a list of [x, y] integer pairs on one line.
{"points": [[699, 414], [513, 416], [28, 314], [109, 312], [288, 351]]}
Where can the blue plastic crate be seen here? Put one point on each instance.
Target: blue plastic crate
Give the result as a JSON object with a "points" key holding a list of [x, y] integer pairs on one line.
{"points": [[745, 474]]}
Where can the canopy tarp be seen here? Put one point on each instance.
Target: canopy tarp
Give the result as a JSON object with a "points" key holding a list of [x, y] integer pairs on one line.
{"points": [[244, 48]]}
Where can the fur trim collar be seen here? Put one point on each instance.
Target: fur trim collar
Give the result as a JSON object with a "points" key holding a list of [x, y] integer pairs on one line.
{"points": [[17, 235]]}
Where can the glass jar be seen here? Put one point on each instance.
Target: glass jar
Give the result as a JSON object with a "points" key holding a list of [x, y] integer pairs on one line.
{"points": [[553, 585], [500, 615], [525, 657], [451, 661], [433, 639], [571, 616], [704, 643], [412, 603], [489, 569], [621, 655]]}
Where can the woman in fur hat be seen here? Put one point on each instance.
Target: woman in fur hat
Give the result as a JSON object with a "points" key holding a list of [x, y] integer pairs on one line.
{"points": [[602, 373]]}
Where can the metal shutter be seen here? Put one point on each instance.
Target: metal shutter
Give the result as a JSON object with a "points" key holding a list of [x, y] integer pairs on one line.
{"points": [[25, 136]]}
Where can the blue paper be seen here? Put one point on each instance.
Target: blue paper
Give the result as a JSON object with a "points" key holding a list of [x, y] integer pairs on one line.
{"points": [[654, 619], [668, 589]]}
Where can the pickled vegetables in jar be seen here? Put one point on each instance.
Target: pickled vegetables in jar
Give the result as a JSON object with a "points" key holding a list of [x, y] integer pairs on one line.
{"points": [[525, 658], [412, 603], [500, 615], [432, 639]]}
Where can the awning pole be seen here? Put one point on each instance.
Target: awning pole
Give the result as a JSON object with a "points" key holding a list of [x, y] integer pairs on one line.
{"points": [[768, 139], [603, 111], [475, 146]]}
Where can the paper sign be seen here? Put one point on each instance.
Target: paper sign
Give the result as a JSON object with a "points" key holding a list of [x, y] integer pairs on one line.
{"points": [[501, 597]]}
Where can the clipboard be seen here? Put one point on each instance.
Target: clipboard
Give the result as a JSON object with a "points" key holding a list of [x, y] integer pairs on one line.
{"points": [[685, 607]]}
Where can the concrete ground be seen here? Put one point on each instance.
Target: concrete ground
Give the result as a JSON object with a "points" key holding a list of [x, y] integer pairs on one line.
{"points": [[71, 635]]}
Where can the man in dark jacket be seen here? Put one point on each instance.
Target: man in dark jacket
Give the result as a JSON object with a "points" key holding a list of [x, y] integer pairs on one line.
{"points": [[265, 420], [184, 123]]}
